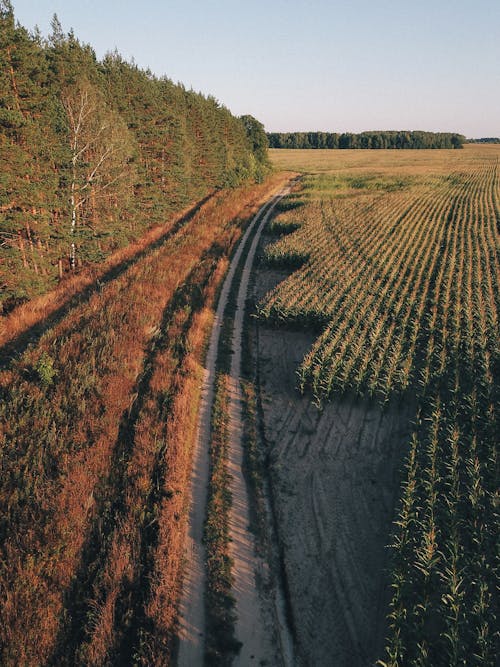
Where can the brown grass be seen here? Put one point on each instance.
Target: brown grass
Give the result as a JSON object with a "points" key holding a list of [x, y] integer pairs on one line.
{"points": [[85, 526], [39, 309]]}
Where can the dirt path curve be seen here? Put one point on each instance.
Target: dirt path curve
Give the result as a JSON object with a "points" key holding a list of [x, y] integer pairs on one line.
{"points": [[192, 608]]}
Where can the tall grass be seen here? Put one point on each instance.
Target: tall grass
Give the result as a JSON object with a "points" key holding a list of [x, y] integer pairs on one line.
{"points": [[95, 459]]}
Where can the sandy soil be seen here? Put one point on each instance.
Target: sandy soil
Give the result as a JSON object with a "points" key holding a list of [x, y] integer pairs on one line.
{"points": [[254, 627], [334, 477], [192, 607]]}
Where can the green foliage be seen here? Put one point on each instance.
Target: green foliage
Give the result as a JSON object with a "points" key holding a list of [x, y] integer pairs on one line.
{"points": [[45, 370], [375, 140], [72, 192], [280, 226], [484, 140], [220, 645], [257, 137]]}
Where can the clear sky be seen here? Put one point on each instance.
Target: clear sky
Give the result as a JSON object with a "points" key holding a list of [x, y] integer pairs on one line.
{"points": [[337, 65]]}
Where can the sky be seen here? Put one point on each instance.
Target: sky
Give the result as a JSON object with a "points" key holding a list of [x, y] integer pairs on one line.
{"points": [[331, 65]]}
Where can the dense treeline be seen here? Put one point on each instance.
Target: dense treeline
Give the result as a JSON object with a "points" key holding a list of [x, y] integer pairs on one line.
{"points": [[484, 140], [376, 139], [95, 152]]}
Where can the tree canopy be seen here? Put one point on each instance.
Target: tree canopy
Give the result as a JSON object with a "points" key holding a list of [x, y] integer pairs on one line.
{"points": [[484, 140], [94, 153], [375, 139]]}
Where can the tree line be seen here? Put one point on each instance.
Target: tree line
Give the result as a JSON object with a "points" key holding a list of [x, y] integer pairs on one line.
{"points": [[484, 140], [375, 139], [94, 153]]}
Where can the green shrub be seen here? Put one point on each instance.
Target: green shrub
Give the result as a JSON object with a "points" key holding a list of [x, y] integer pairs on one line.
{"points": [[45, 369]]}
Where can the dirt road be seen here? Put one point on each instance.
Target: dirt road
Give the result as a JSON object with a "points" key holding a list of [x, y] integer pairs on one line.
{"points": [[251, 631]]}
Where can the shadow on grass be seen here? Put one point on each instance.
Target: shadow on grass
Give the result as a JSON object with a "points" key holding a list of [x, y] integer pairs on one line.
{"points": [[15, 347]]}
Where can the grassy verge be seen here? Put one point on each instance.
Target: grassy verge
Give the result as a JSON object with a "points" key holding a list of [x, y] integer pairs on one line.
{"points": [[31, 319], [221, 645], [252, 455], [96, 431]]}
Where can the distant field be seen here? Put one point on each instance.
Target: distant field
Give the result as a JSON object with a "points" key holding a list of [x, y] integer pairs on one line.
{"points": [[384, 161], [375, 249], [394, 264]]}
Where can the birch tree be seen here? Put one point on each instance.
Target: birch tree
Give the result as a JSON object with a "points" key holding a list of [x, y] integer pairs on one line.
{"points": [[101, 148]]}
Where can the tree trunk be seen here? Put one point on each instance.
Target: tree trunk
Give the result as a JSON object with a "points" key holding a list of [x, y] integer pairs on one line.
{"points": [[32, 248], [41, 253], [22, 249], [72, 251]]}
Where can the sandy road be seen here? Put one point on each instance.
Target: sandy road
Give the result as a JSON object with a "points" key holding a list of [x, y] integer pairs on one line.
{"points": [[251, 631]]}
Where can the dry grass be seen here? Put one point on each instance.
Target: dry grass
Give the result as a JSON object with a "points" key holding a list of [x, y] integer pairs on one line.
{"points": [[39, 309], [96, 462]]}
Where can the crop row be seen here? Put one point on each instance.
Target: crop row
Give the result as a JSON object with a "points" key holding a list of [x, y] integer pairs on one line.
{"points": [[445, 571], [405, 288], [389, 279]]}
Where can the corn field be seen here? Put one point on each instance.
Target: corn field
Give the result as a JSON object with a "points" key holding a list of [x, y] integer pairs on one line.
{"points": [[403, 288]]}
